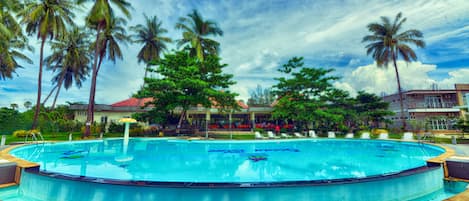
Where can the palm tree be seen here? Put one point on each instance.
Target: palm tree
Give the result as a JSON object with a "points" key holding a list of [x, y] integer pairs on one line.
{"points": [[11, 39], [48, 19], [150, 35], [387, 44], [70, 59], [195, 32], [27, 104], [99, 19]]}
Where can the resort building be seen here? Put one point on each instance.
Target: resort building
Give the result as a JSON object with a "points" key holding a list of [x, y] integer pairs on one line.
{"points": [[437, 109], [245, 118]]}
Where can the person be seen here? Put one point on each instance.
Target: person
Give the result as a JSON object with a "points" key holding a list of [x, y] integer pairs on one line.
{"points": [[277, 129]]}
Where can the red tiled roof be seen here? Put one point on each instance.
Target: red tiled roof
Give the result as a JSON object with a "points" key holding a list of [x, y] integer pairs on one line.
{"points": [[242, 104], [132, 102]]}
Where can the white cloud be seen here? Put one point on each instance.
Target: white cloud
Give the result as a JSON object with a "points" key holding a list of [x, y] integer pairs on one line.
{"points": [[413, 75]]}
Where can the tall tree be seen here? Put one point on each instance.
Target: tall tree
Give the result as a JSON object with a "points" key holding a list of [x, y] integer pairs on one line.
{"points": [[100, 19], [303, 95], [12, 39], [387, 43], [46, 19], [70, 59], [187, 81], [154, 43], [195, 33], [371, 108]]}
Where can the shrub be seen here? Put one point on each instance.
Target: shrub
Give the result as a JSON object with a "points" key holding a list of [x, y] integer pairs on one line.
{"points": [[94, 129], [260, 130], [377, 131], [24, 133]]}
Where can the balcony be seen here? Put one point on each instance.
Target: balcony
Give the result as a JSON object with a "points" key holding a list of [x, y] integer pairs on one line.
{"points": [[436, 107]]}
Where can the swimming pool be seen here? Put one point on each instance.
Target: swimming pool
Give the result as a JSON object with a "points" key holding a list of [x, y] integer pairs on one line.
{"points": [[313, 169]]}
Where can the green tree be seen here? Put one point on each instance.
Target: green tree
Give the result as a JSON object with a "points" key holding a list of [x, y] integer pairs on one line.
{"points": [[303, 95], [462, 125], [11, 120], [187, 81], [387, 44], [70, 59], [12, 40], [195, 33], [151, 36], [46, 19], [370, 108], [27, 105], [100, 19]]}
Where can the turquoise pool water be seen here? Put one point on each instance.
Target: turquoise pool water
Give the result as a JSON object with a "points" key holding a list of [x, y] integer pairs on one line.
{"points": [[228, 161], [274, 170]]}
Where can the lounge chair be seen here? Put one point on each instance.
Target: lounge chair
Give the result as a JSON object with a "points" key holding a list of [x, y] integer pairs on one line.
{"points": [[284, 135], [271, 135], [330, 134], [298, 134], [383, 136], [349, 135], [365, 135], [312, 134], [258, 135], [408, 136]]}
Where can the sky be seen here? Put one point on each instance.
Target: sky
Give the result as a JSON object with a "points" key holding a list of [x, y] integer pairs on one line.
{"points": [[261, 35]]}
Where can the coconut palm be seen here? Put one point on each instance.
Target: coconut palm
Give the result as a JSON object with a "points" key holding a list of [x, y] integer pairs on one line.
{"points": [[151, 36], [99, 19], [12, 39], [387, 43], [70, 59], [195, 32], [46, 19]]}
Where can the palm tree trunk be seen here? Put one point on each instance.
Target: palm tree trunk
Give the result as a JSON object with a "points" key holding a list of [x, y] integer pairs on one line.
{"points": [[50, 94], [401, 101], [39, 86], [90, 112], [58, 91], [181, 118]]}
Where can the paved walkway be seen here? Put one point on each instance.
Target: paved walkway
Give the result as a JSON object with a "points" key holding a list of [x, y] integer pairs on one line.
{"points": [[460, 149]]}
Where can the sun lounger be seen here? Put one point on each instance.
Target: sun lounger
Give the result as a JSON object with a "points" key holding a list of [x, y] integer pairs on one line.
{"points": [[330, 134], [383, 136], [271, 135], [312, 134], [258, 135], [284, 135], [298, 134], [349, 135], [365, 135], [408, 136]]}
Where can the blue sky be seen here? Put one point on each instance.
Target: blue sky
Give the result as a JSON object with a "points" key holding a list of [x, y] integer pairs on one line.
{"points": [[261, 35]]}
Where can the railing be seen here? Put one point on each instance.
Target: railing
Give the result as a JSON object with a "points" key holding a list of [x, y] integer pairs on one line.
{"points": [[426, 105]]}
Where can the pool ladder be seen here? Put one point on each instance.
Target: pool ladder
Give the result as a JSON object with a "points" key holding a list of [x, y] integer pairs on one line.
{"points": [[36, 138]]}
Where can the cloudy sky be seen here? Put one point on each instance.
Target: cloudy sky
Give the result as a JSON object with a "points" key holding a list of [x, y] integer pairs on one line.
{"points": [[261, 35]]}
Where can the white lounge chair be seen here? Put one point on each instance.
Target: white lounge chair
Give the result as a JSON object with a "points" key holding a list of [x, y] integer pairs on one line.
{"points": [[349, 135], [284, 135], [365, 135], [312, 134], [330, 134], [258, 135], [298, 134], [408, 136], [271, 135], [383, 136]]}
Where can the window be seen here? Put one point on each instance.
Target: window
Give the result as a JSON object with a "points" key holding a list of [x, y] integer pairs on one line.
{"points": [[433, 102]]}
